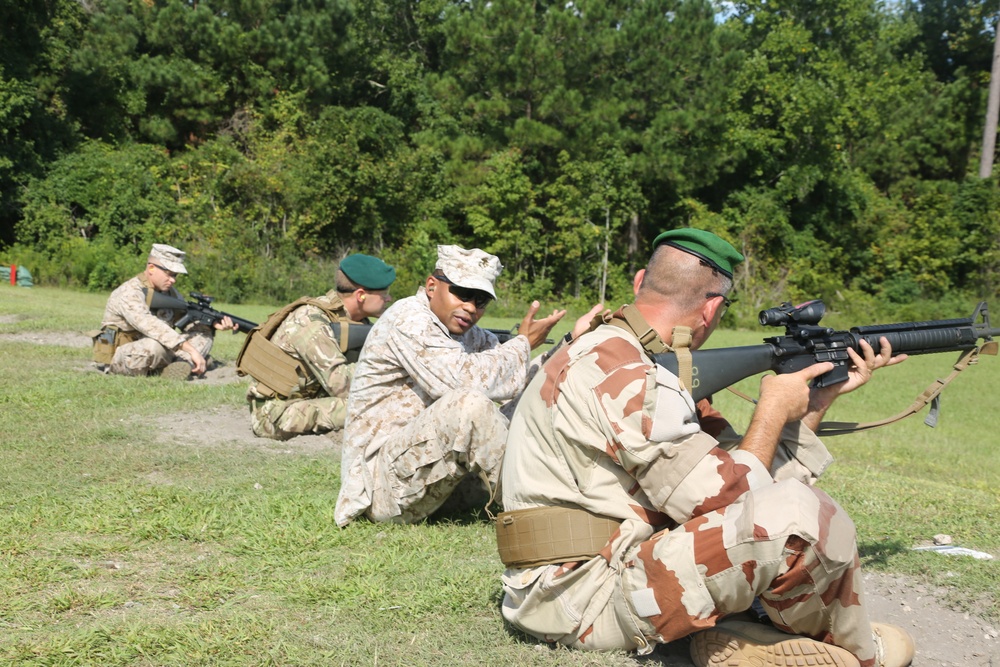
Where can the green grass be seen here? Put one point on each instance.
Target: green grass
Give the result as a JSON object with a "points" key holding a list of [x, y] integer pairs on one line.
{"points": [[119, 549]]}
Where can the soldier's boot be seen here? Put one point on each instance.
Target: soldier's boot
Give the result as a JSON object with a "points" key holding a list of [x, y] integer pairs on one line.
{"points": [[178, 370], [893, 645], [737, 643]]}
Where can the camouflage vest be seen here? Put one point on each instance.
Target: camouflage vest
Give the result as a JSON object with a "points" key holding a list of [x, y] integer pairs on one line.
{"points": [[277, 373]]}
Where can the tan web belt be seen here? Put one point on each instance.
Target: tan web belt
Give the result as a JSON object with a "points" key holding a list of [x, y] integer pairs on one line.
{"points": [[547, 535]]}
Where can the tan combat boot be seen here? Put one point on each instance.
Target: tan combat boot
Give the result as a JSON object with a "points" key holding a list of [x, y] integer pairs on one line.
{"points": [[178, 370], [893, 646], [738, 643]]}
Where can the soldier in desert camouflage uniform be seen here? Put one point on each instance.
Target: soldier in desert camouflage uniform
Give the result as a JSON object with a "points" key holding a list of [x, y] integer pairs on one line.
{"points": [[135, 341], [319, 403], [694, 529], [422, 413]]}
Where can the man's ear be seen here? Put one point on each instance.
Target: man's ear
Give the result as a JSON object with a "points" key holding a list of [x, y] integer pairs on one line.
{"points": [[637, 281], [709, 310], [429, 284]]}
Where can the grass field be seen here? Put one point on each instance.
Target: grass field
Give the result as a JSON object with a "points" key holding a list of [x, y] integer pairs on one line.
{"points": [[117, 549]]}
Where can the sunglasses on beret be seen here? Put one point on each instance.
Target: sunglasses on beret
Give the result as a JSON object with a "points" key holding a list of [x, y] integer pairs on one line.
{"points": [[477, 297]]}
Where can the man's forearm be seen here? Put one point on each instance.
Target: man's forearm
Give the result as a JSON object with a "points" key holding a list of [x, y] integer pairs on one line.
{"points": [[763, 435]]}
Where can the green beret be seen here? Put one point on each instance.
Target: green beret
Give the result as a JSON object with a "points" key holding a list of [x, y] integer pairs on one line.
{"points": [[369, 272], [708, 247]]}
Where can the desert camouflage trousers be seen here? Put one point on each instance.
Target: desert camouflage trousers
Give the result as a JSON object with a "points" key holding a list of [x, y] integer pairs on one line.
{"points": [[788, 544], [280, 419], [461, 434], [145, 356]]}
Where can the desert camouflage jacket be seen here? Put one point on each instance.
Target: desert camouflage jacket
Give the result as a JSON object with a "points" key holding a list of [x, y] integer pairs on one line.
{"points": [[603, 428], [409, 360], [307, 336], [127, 311]]}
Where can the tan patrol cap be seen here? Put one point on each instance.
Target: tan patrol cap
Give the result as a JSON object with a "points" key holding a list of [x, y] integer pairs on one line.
{"points": [[168, 257], [474, 268]]}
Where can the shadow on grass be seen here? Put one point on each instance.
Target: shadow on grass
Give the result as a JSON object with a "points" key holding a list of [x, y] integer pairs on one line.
{"points": [[879, 552], [467, 504], [463, 516]]}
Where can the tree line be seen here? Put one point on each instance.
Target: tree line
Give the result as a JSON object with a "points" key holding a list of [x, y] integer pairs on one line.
{"points": [[834, 143]]}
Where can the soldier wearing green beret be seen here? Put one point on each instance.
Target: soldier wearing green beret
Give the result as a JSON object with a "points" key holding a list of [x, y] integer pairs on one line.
{"points": [[635, 517], [301, 337]]}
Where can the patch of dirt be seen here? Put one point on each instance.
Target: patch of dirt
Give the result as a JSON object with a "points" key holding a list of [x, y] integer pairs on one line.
{"points": [[59, 338], [229, 426], [219, 373]]}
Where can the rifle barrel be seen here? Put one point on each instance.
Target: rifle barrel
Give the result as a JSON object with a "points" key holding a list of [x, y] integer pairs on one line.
{"points": [[924, 337]]}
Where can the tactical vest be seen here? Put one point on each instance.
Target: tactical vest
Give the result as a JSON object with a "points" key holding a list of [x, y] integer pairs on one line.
{"points": [[278, 373]]}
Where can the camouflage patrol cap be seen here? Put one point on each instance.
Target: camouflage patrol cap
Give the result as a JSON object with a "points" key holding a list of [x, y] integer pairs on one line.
{"points": [[168, 257], [474, 268], [369, 272], [708, 247]]}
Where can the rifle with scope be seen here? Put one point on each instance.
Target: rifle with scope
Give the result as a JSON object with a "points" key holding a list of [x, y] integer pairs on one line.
{"points": [[806, 342], [199, 310]]}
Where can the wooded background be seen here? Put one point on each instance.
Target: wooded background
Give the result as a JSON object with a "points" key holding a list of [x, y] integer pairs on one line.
{"points": [[835, 143]]}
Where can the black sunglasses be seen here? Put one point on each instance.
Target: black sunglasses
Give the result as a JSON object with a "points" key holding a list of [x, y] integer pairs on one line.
{"points": [[466, 294]]}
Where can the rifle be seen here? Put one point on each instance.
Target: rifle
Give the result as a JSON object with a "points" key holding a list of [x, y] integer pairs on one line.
{"points": [[806, 342], [199, 310], [358, 332]]}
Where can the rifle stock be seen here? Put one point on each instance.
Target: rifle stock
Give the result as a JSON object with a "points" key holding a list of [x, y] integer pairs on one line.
{"points": [[199, 310], [805, 344]]}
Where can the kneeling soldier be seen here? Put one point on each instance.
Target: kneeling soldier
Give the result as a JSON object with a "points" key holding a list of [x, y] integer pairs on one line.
{"points": [[134, 340]]}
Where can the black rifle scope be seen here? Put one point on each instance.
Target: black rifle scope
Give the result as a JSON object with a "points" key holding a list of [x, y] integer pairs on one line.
{"points": [[810, 312]]}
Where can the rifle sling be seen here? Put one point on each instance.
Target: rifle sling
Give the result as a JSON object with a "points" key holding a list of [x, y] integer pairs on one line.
{"points": [[932, 395], [630, 319]]}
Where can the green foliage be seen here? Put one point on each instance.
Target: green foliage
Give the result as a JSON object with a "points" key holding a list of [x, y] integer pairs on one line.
{"points": [[173, 72], [830, 142], [101, 190]]}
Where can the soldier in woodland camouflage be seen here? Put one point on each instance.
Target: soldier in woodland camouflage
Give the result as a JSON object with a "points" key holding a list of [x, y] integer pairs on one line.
{"points": [[135, 341], [700, 525], [319, 403], [422, 414]]}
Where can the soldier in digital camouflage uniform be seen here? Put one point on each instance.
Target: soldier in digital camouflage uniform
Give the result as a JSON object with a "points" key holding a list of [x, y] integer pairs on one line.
{"points": [[705, 527], [422, 414], [146, 342], [319, 403]]}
